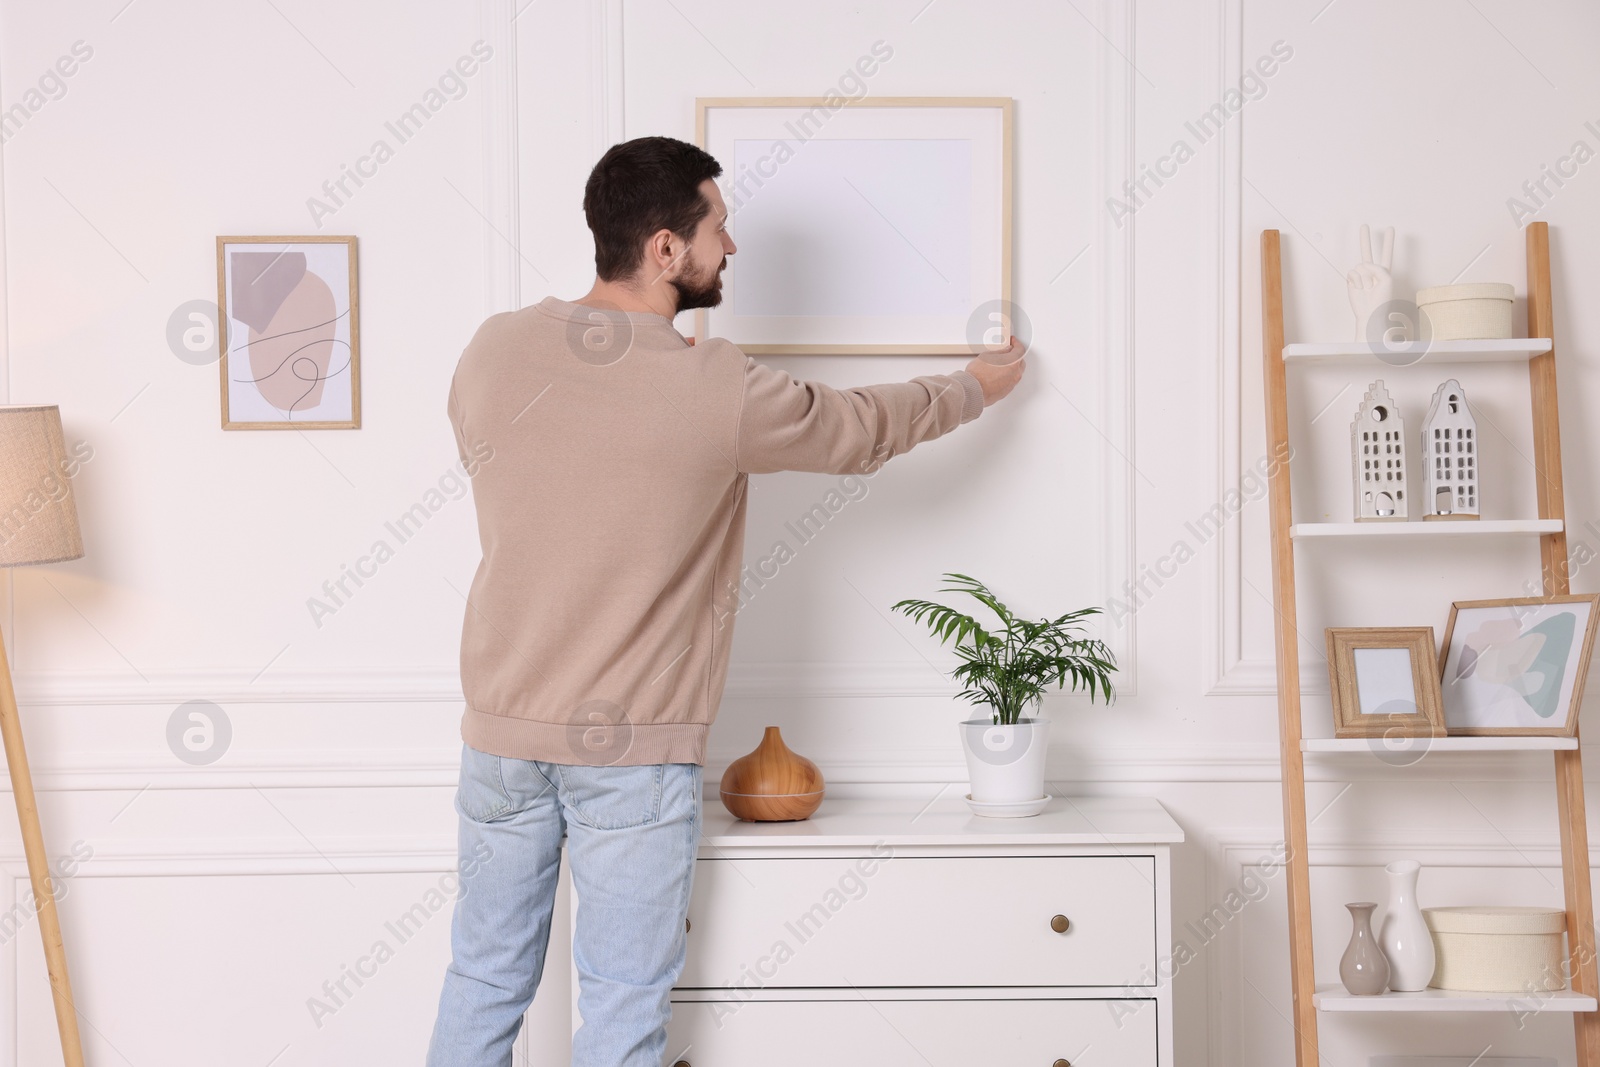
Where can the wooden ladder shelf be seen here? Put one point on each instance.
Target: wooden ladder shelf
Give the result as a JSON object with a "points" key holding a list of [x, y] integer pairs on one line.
{"points": [[1580, 999]]}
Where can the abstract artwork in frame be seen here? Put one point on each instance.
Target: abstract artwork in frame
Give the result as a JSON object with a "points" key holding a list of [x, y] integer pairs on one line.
{"points": [[863, 226], [1516, 667], [289, 333]]}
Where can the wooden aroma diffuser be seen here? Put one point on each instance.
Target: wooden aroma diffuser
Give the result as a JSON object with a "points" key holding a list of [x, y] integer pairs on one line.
{"points": [[772, 784]]}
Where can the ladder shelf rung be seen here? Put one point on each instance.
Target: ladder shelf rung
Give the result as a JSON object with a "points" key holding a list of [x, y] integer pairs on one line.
{"points": [[1424, 528], [1335, 998], [1499, 350], [1376, 746]]}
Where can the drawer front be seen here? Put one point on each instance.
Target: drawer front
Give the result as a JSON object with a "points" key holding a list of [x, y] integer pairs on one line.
{"points": [[913, 1033], [914, 921]]}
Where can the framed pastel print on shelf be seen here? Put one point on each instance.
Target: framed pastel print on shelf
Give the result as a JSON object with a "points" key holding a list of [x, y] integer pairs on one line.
{"points": [[290, 335], [1384, 682], [1516, 667], [875, 225]]}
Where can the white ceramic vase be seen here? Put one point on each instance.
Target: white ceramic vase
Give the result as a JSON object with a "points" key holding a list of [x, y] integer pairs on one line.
{"points": [[1005, 764], [1406, 942]]}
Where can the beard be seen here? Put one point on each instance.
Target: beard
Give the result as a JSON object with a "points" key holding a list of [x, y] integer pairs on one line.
{"points": [[695, 291]]}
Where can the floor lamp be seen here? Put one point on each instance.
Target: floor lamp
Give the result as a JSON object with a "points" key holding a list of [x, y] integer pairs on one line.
{"points": [[38, 524]]}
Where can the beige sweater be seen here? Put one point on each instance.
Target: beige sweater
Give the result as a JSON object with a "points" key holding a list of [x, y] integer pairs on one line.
{"points": [[609, 460]]}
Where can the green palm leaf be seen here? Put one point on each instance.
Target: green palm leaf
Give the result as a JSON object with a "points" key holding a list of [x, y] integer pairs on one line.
{"points": [[1009, 667]]}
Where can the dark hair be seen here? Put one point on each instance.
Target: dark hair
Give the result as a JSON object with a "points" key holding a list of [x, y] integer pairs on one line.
{"points": [[638, 188]]}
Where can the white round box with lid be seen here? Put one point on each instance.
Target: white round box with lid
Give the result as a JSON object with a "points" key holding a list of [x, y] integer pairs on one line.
{"points": [[1498, 949], [1472, 312]]}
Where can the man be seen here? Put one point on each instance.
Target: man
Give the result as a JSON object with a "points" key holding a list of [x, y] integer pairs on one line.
{"points": [[609, 459]]}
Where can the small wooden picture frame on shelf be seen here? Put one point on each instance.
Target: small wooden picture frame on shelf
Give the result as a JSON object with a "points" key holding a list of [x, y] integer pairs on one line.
{"points": [[1384, 682], [1516, 667]]}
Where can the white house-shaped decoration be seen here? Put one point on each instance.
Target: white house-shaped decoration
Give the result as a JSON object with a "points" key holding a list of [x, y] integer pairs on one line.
{"points": [[1450, 445], [1377, 444]]}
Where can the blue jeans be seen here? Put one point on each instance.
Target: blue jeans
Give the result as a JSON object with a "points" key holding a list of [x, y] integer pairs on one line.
{"points": [[631, 837]]}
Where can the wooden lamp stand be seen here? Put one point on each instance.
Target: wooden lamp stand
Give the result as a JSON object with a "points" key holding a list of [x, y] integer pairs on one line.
{"points": [[38, 524], [55, 953]]}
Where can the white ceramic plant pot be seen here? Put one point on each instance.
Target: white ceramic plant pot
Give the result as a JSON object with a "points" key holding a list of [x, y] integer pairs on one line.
{"points": [[1005, 764]]}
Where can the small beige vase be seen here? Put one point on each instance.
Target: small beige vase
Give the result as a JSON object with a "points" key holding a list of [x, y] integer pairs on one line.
{"points": [[1363, 968]]}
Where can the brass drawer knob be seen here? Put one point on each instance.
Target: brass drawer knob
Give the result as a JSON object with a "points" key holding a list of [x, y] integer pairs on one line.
{"points": [[685, 930], [1060, 925], [1061, 1063], [685, 1063]]}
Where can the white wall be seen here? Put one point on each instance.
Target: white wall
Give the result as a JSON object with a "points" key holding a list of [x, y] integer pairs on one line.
{"points": [[219, 898]]}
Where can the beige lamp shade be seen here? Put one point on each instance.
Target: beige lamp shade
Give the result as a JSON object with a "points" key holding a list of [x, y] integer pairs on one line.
{"points": [[38, 519]]}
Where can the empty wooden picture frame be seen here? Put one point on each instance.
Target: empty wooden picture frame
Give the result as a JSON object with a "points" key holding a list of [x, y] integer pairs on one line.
{"points": [[1516, 667], [289, 333], [869, 225], [1385, 682]]}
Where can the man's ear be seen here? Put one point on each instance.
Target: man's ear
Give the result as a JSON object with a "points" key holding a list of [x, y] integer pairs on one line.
{"points": [[662, 244]]}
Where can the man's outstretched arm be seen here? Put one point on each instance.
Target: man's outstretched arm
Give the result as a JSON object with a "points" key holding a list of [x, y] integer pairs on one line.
{"points": [[789, 424]]}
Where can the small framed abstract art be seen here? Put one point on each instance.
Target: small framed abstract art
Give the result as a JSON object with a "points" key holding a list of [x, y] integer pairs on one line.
{"points": [[1516, 668], [871, 225], [1385, 682], [289, 333]]}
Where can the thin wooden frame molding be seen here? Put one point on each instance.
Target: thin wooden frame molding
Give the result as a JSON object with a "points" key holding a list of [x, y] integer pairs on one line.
{"points": [[1537, 630], [900, 245], [1344, 682], [282, 303]]}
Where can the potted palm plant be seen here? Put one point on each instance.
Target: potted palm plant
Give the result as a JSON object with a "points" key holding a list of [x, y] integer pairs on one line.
{"points": [[1006, 670]]}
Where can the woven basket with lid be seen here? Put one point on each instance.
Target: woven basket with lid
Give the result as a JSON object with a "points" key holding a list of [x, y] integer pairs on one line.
{"points": [[1498, 949], [1469, 312]]}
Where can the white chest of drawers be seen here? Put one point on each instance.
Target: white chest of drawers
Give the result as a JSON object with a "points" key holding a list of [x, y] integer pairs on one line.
{"points": [[890, 933]]}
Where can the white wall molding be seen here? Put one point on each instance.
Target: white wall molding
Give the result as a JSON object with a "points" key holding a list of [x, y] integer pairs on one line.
{"points": [[1114, 329], [1231, 669], [1073, 768], [1228, 851], [204, 858], [190, 859], [238, 686], [501, 186], [1228, 670], [373, 685], [607, 84]]}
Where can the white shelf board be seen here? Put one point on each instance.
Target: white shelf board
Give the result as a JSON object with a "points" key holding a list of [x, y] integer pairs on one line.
{"points": [[1423, 528], [1334, 998], [1503, 350], [1441, 744]]}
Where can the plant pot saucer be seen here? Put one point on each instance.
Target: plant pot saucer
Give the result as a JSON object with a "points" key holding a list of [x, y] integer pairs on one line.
{"points": [[1010, 809]]}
